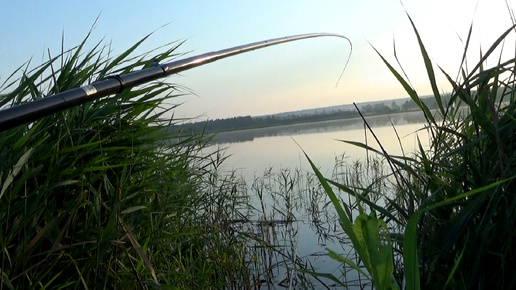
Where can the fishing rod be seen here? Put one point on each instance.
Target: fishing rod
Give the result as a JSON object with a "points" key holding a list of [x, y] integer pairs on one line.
{"points": [[29, 112]]}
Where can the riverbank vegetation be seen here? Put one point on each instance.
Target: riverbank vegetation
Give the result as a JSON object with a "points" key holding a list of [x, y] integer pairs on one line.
{"points": [[105, 195], [99, 196], [452, 209], [249, 122]]}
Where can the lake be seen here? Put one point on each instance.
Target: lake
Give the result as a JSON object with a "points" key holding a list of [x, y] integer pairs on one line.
{"points": [[289, 214], [253, 151]]}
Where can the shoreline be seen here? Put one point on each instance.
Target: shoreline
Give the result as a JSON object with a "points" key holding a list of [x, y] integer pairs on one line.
{"points": [[330, 120], [375, 121]]}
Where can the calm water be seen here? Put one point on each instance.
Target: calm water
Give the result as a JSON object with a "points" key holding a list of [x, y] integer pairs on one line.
{"points": [[288, 211], [254, 151]]}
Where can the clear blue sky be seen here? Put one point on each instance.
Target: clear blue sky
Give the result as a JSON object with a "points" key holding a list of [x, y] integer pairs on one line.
{"points": [[294, 76]]}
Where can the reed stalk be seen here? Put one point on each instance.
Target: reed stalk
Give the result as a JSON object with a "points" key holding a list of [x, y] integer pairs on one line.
{"points": [[102, 195], [453, 203]]}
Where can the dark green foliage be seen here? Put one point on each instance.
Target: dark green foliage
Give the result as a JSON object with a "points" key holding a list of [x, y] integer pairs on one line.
{"points": [[248, 122], [453, 209], [100, 196], [465, 243]]}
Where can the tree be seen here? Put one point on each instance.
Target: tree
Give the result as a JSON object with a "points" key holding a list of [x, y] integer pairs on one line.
{"points": [[395, 107]]}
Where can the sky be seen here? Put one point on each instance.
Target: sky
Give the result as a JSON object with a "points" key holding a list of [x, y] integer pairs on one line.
{"points": [[289, 77]]}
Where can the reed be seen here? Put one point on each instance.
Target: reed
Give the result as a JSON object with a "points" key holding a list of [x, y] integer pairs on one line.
{"points": [[105, 195], [453, 203], [101, 195]]}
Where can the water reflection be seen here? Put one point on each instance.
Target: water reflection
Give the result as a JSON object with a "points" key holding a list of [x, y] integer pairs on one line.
{"points": [[293, 222], [289, 218], [319, 127]]}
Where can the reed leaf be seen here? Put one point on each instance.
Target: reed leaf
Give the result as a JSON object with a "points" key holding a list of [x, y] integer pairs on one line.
{"points": [[68, 179], [429, 67], [452, 199]]}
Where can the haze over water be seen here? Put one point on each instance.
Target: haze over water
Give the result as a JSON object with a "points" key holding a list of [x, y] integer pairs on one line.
{"points": [[253, 151], [287, 210]]}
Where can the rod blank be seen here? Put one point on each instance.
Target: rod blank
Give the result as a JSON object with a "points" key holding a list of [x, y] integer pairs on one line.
{"points": [[30, 112]]}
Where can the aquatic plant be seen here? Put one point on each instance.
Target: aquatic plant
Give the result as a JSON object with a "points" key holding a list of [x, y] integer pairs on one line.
{"points": [[453, 205], [102, 195], [109, 194]]}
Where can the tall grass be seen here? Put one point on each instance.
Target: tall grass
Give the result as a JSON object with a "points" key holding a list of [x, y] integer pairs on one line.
{"points": [[101, 196], [289, 223], [452, 213]]}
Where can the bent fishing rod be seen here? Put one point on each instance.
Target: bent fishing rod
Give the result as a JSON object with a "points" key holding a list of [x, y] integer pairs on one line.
{"points": [[30, 112]]}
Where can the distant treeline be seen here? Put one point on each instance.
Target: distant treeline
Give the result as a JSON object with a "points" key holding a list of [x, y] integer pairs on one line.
{"points": [[248, 122]]}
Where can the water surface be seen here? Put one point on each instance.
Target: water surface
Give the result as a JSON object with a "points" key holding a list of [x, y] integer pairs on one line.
{"points": [[253, 151], [289, 210]]}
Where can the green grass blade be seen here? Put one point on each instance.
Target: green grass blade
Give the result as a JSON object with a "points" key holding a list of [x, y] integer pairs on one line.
{"points": [[410, 256], [410, 91], [491, 49], [365, 200], [15, 170], [347, 225], [429, 67], [459, 259], [339, 258]]}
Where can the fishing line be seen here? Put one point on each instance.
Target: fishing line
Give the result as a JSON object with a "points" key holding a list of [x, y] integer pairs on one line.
{"points": [[347, 61]]}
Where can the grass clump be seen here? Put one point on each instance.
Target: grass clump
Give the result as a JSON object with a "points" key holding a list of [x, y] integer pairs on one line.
{"points": [[452, 210], [101, 196]]}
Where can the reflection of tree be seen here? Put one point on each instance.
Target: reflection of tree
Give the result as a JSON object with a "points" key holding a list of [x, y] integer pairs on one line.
{"points": [[416, 117], [248, 122], [319, 127], [243, 136]]}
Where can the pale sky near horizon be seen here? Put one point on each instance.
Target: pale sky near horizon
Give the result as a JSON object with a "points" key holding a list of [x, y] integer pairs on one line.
{"points": [[288, 77]]}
